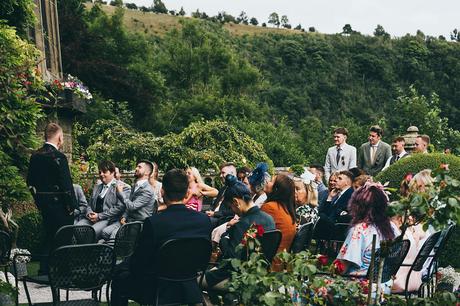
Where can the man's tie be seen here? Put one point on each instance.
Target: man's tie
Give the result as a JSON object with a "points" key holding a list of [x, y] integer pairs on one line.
{"points": [[373, 150], [397, 157], [337, 157]]}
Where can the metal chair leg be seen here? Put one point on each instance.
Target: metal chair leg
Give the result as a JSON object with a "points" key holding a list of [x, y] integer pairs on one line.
{"points": [[27, 292]]}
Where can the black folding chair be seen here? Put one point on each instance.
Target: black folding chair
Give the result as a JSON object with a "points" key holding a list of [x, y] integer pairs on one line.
{"points": [[393, 261], [73, 235], [428, 280], [270, 241], [5, 252], [423, 255], [126, 239], [65, 236], [179, 261], [302, 238], [339, 234], [80, 267]]}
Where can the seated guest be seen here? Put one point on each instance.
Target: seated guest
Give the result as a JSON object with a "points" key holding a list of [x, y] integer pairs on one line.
{"points": [[139, 205], [81, 201], [197, 189], [105, 207], [133, 278], [242, 174], [280, 205], [156, 185], [257, 180], [360, 180], [221, 210], [368, 211], [332, 191], [306, 198], [336, 211], [241, 202], [318, 171]]}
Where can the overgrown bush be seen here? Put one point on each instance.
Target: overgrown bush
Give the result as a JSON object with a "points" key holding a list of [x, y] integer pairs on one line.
{"points": [[449, 256], [417, 162], [204, 144], [31, 234]]}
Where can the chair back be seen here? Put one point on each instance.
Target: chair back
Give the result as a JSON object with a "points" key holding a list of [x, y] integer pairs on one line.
{"points": [[126, 239], [82, 267], [319, 233], [73, 235], [340, 231], [5, 247], [439, 247], [425, 251], [270, 241], [393, 261], [302, 238], [182, 258]]}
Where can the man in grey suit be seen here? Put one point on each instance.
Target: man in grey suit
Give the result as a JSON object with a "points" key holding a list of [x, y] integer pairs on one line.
{"points": [[373, 155], [81, 201], [104, 206], [341, 156], [140, 204]]}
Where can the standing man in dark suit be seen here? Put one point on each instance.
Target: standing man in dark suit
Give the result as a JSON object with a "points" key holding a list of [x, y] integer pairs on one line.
{"points": [[133, 279], [50, 182], [373, 155]]}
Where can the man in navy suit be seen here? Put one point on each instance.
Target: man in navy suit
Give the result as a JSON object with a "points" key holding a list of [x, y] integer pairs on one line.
{"points": [[133, 278], [336, 211], [51, 185]]}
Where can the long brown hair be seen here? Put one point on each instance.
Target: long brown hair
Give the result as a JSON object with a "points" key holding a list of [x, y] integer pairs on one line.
{"points": [[283, 193]]}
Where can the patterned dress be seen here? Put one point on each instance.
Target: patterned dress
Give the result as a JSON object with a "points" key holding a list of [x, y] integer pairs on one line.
{"points": [[306, 214]]}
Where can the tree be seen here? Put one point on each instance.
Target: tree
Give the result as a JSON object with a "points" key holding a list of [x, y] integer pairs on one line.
{"points": [[159, 7], [274, 19], [298, 27], [18, 14], [347, 30], [254, 21], [243, 18], [182, 11], [264, 25], [285, 21], [117, 3], [311, 29], [380, 32], [131, 6], [455, 35]]}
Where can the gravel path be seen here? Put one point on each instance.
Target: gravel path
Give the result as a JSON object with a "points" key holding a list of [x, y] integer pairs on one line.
{"points": [[42, 294]]}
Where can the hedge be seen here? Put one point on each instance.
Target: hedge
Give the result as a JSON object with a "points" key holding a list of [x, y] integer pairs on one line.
{"points": [[417, 162], [30, 234]]}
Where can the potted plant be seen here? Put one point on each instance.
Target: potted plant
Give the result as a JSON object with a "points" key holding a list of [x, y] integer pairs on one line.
{"points": [[20, 258], [8, 293], [448, 279]]}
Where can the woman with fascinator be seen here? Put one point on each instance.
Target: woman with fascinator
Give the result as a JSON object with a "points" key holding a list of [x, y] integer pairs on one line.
{"points": [[258, 178], [306, 198], [367, 207], [240, 198]]}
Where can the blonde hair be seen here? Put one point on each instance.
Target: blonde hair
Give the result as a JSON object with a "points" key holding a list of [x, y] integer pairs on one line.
{"points": [[197, 175], [422, 178], [312, 193]]}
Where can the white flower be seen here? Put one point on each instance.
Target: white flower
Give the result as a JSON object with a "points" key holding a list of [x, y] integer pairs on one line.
{"points": [[24, 259]]}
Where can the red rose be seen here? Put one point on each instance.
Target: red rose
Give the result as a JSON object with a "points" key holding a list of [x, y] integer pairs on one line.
{"points": [[323, 259], [364, 284], [408, 177], [260, 230], [339, 266], [444, 167]]}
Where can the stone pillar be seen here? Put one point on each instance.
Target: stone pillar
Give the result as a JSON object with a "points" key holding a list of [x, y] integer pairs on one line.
{"points": [[412, 133]]}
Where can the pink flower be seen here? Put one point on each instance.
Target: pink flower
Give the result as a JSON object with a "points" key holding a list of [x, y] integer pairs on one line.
{"points": [[322, 291], [444, 167]]}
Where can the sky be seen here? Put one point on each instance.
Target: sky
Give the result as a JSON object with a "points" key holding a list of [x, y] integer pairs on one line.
{"points": [[398, 17]]}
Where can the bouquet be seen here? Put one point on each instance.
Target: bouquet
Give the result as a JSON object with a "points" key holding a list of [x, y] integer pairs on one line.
{"points": [[20, 258]]}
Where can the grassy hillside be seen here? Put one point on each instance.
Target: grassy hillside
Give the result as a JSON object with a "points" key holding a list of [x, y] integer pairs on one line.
{"points": [[158, 24]]}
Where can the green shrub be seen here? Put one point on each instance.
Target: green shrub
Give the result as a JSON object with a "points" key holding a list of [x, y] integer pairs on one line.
{"points": [[417, 162], [31, 234], [449, 257]]}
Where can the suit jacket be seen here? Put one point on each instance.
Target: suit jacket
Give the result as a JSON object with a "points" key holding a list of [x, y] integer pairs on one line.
{"points": [[333, 210], [347, 159], [381, 156], [225, 212], [113, 207], [140, 204], [176, 221], [81, 200], [50, 181]]}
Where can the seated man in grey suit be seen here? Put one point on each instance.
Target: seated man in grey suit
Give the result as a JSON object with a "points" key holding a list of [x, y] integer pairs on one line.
{"points": [[140, 204], [374, 154], [105, 207], [341, 156], [81, 201]]}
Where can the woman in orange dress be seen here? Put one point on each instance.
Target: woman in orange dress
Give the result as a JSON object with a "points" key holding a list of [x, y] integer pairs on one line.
{"points": [[280, 204]]}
